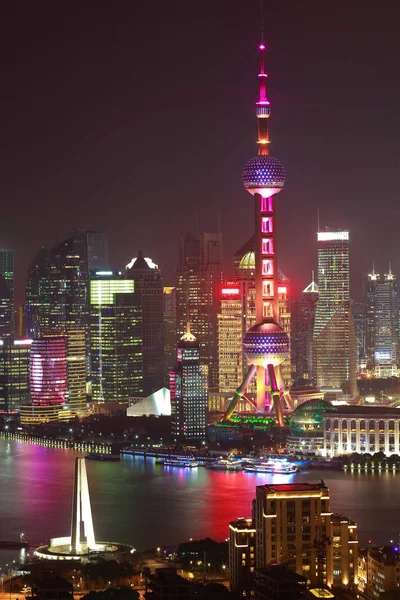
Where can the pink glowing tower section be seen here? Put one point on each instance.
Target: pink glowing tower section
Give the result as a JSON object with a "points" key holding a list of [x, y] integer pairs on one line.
{"points": [[266, 344], [48, 370]]}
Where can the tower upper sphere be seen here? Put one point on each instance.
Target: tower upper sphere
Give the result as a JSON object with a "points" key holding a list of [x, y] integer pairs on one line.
{"points": [[263, 175]]}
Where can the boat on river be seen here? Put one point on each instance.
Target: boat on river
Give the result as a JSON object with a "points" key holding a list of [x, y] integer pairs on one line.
{"points": [[103, 456], [273, 466], [185, 463], [225, 464]]}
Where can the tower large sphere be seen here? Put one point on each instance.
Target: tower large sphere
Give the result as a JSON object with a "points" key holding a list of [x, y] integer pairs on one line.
{"points": [[263, 175], [266, 344]]}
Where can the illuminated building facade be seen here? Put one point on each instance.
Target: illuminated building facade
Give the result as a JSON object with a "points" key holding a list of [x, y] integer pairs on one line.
{"points": [[199, 277], [266, 344], [303, 317], [150, 300], [7, 314], [230, 336], [57, 282], [242, 549], [76, 370], [288, 518], [48, 381], [383, 324], [169, 295], [362, 429], [379, 572], [344, 551], [189, 393], [116, 338], [293, 524], [6, 310], [14, 374], [334, 333]]}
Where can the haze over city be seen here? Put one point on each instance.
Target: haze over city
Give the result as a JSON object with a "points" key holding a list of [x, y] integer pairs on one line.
{"points": [[140, 117]]}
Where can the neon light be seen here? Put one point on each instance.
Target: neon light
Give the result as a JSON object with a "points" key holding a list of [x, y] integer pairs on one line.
{"points": [[104, 272], [230, 291], [328, 236], [282, 289], [22, 342], [262, 47]]}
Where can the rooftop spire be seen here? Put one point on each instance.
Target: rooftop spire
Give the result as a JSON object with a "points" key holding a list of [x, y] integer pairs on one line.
{"points": [[262, 107]]}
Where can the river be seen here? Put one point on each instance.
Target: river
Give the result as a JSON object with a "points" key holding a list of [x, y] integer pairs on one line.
{"points": [[146, 505]]}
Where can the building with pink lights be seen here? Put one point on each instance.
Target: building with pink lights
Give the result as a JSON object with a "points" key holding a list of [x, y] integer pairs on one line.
{"points": [[48, 381]]}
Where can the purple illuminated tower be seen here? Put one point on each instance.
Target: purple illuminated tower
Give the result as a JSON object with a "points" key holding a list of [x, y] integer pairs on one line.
{"points": [[266, 344]]}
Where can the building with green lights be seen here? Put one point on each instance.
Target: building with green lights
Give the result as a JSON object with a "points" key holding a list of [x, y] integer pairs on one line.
{"points": [[116, 338], [7, 294], [14, 374]]}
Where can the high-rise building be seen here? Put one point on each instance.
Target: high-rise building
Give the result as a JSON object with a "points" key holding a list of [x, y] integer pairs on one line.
{"points": [[379, 572], [48, 381], [57, 282], [14, 374], [230, 336], [169, 331], [116, 338], [383, 324], [6, 310], [199, 276], [293, 524], [359, 310], [242, 549], [189, 393], [7, 270], [334, 333], [149, 298], [76, 370], [303, 316]]}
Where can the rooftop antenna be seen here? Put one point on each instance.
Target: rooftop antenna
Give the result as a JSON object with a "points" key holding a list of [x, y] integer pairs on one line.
{"points": [[318, 220], [262, 20]]}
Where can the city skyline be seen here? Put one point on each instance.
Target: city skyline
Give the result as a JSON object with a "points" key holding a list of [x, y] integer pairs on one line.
{"points": [[85, 115]]}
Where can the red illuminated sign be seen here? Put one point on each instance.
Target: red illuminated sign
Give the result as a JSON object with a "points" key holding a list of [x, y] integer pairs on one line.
{"points": [[230, 291]]}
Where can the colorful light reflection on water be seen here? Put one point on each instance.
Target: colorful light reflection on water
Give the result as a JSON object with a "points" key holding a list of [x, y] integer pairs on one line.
{"points": [[139, 502]]}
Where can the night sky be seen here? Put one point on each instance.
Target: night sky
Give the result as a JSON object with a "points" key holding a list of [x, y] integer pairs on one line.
{"points": [[131, 117]]}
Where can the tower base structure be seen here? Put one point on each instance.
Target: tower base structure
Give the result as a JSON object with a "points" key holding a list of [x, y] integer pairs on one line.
{"points": [[266, 346]]}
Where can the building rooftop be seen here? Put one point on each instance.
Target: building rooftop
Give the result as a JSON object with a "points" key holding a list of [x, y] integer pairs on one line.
{"points": [[242, 524], [388, 555], [365, 410], [341, 518], [271, 488], [280, 572]]}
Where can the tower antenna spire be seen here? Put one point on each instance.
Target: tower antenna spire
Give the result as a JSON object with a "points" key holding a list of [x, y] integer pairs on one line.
{"points": [[262, 20]]}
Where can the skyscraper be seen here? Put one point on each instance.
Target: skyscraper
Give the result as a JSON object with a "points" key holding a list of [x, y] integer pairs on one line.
{"points": [[116, 338], [14, 374], [48, 381], [57, 282], [334, 334], [6, 294], [149, 298], [6, 310], [189, 393], [199, 276], [76, 370], [169, 295], [382, 324], [303, 316]]}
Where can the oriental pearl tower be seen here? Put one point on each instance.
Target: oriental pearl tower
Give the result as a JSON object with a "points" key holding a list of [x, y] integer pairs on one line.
{"points": [[266, 344]]}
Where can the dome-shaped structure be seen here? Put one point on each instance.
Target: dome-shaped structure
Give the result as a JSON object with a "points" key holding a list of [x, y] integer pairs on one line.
{"points": [[307, 420], [264, 175], [248, 261], [266, 344]]}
